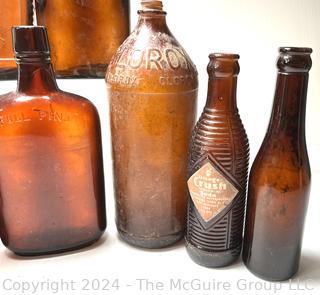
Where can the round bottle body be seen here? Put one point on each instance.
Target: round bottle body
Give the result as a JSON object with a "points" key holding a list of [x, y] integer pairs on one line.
{"points": [[279, 183], [277, 204], [218, 169], [152, 88], [219, 141]]}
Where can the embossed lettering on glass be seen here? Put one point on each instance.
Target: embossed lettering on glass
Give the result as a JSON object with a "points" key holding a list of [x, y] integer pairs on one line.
{"points": [[51, 172], [152, 85]]}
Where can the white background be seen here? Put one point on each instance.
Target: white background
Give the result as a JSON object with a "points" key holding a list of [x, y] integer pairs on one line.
{"points": [[254, 29]]}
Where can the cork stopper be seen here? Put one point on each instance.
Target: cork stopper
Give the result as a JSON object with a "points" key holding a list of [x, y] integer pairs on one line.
{"points": [[151, 5]]}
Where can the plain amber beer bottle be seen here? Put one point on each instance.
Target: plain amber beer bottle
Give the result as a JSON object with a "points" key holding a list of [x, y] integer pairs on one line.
{"points": [[152, 86], [218, 170], [279, 182], [51, 172]]}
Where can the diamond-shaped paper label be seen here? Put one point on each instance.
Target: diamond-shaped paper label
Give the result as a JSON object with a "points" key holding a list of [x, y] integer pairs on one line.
{"points": [[210, 191]]}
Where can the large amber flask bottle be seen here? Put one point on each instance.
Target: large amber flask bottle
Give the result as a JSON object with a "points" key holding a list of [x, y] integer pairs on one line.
{"points": [[83, 34], [51, 174], [12, 13], [279, 182], [152, 86], [218, 169]]}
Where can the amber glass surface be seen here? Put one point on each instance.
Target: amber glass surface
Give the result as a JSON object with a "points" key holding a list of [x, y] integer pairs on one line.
{"points": [[152, 87], [219, 139], [83, 34], [12, 13], [279, 181], [51, 172]]}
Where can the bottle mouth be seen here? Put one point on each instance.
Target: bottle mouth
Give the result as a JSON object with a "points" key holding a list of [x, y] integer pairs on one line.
{"points": [[294, 60], [295, 50], [223, 65], [30, 41], [227, 56]]}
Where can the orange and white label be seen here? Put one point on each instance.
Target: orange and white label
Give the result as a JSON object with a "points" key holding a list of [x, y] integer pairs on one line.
{"points": [[210, 191]]}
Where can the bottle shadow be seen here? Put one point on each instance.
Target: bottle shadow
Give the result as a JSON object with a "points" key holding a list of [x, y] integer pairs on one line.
{"points": [[309, 268], [101, 241]]}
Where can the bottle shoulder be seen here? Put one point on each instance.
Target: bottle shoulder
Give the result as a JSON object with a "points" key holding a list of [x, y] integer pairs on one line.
{"points": [[221, 135], [214, 122], [54, 101], [151, 60], [280, 162]]}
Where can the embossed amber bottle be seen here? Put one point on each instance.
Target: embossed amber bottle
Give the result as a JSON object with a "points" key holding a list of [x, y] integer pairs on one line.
{"points": [[12, 13], [51, 174], [152, 91], [279, 183], [218, 170], [83, 34]]}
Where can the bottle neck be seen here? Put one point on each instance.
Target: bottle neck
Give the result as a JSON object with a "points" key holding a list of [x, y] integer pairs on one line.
{"points": [[222, 93], [36, 77], [289, 107], [155, 20]]}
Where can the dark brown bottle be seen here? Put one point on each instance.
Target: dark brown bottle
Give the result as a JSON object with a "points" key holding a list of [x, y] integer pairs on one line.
{"points": [[51, 172], [12, 13], [279, 183], [83, 34], [152, 87], [218, 169]]}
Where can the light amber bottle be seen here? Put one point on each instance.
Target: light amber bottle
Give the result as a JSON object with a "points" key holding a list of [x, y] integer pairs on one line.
{"points": [[51, 172], [218, 170], [83, 34], [279, 183], [12, 13], [152, 86]]}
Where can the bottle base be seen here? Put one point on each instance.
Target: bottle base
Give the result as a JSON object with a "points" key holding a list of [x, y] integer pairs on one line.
{"points": [[268, 277], [213, 259], [55, 249], [151, 243]]}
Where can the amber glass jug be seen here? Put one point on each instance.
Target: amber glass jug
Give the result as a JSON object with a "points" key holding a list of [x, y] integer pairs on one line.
{"points": [[51, 174], [12, 13], [83, 34], [152, 86], [218, 169], [279, 181]]}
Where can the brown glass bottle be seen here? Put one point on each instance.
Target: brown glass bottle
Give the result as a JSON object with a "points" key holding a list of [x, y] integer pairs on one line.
{"points": [[152, 87], [218, 169], [83, 34], [279, 181], [12, 13], [51, 174]]}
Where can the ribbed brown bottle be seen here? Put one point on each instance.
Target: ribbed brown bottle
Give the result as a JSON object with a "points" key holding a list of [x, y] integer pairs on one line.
{"points": [[279, 183], [12, 13], [83, 34], [152, 86], [51, 172], [218, 169]]}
